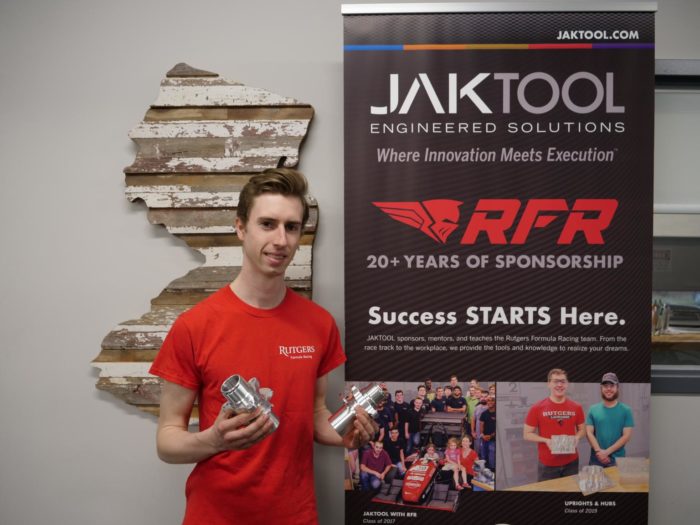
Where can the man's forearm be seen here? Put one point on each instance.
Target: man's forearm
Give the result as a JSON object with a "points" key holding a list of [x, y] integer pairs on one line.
{"points": [[177, 445], [529, 434], [626, 435], [324, 433], [590, 434]]}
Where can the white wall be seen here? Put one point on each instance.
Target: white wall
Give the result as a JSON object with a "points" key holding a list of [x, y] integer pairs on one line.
{"points": [[77, 258]]}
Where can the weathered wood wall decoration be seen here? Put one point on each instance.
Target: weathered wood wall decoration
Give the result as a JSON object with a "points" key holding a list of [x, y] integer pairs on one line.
{"points": [[198, 145]]}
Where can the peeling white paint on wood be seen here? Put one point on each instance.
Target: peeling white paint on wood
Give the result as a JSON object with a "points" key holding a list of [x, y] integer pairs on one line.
{"points": [[199, 81], [203, 139], [179, 199], [133, 339], [208, 164], [213, 217], [183, 197], [121, 371], [268, 130], [209, 230], [218, 95], [159, 316], [142, 328]]}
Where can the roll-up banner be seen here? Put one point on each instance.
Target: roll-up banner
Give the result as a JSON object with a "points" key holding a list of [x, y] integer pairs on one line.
{"points": [[498, 211]]}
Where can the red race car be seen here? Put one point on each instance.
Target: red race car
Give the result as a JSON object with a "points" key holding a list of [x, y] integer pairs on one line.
{"points": [[419, 481]]}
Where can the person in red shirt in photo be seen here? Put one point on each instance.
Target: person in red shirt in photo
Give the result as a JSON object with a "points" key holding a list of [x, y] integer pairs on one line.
{"points": [[555, 416], [467, 457], [453, 463], [246, 472]]}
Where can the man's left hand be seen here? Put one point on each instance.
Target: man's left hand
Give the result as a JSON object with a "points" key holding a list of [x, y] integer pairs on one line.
{"points": [[603, 457], [363, 429]]}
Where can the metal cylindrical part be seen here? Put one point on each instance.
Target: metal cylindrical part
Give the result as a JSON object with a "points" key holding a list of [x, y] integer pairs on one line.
{"points": [[240, 394], [244, 397], [368, 398]]}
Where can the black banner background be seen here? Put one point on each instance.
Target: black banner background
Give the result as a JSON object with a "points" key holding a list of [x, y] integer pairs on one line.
{"points": [[371, 233]]}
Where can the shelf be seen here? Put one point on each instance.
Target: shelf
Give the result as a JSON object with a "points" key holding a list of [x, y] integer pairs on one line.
{"points": [[674, 339], [675, 364], [681, 75]]}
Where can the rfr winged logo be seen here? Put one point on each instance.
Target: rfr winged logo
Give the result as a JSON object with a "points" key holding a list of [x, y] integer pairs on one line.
{"points": [[437, 218], [507, 221]]}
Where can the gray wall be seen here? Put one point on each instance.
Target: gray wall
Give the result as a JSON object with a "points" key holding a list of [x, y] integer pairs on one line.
{"points": [[77, 258]]}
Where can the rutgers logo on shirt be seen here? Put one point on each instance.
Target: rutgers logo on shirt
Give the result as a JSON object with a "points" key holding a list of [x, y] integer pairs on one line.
{"points": [[297, 352], [559, 415]]}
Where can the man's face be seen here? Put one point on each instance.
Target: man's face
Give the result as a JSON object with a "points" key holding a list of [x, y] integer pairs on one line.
{"points": [[609, 391], [394, 434], [399, 397], [428, 384], [558, 385], [453, 381], [421, 391], [418, 403], [440, 393], [491, 403], [484, 395], [457, 392], [385, 391], [378, 447], [472, 391], [448, 392], [272, 234]]}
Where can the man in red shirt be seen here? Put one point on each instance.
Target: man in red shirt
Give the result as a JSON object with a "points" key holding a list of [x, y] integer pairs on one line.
{"points": [[246, 472], [555, 416]]}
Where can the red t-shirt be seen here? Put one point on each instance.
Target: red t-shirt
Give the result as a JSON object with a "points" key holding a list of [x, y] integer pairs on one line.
{"points": [[468, 461], [552, 419], [287, 348]]}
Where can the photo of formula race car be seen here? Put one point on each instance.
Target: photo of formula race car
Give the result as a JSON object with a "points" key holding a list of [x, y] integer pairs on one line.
{"points": [[424, 484]]}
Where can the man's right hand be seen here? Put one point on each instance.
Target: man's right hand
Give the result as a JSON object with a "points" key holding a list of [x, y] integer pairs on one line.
{"points": [[603, 457], [239, 432]]}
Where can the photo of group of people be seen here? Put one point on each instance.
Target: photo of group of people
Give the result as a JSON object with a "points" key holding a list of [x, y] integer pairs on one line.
{"points": [[433, 443]]}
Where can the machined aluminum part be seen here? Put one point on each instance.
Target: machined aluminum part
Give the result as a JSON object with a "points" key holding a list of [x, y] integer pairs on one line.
{"points": [[592, 478], [483, 474], [368, 398], [562, 444], [247, 396]]}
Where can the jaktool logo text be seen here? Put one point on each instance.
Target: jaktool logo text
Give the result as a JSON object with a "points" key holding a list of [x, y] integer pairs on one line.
{"points": [[514, 90]]}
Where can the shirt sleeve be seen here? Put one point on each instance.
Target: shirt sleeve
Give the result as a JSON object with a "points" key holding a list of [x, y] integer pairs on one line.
{"points": [[629, 418], [175, 361], [531, 418], [589, 418], [365, 457], [387, 460], [334, 355]]}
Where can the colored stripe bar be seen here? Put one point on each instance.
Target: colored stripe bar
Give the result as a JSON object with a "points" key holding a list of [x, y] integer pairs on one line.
{"points": [[561, 46], [478, 47], [460, 47], [373, 48], [624, 46]]}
